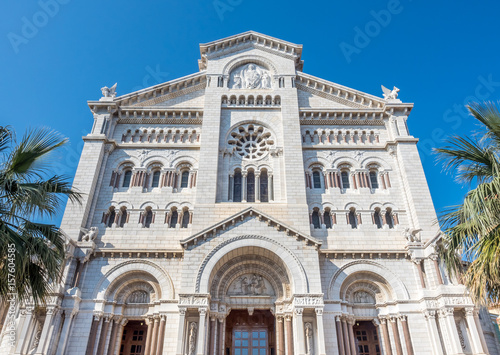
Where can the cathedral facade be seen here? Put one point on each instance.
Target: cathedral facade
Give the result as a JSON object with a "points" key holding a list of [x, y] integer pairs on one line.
{"points": [[252, 209]]}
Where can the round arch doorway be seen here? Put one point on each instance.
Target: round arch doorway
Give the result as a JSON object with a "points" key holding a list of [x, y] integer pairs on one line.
{"points": [[250, 334]]}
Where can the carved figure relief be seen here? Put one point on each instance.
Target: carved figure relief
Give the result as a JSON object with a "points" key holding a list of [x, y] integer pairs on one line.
{"points": [[309, 338], [250, 285], [250, 76], [362, 297], [193, 328], [138, 297], [90, 234]]}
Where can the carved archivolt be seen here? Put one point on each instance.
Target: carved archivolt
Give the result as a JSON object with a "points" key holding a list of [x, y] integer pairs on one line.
{"points": [[291, 263]]}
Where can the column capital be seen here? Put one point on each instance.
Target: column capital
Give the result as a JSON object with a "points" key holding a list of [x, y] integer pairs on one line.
{"points": [[319, 311], [445, 312], [470, 311], [182, 311], [97, 316], [383, 319], [430, 315], [403, 317], [434, 257], [298, 311], [124, 322], [202, 311]]}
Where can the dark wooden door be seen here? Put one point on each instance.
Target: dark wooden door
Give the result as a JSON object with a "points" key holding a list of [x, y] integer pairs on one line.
{"points": [[367, 342], [134, 338]]}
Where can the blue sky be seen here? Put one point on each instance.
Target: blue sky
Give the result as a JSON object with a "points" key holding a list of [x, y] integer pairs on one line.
{"points": [[57, 54]]}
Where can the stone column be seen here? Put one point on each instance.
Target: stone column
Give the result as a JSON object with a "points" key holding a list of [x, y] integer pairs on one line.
{"points": [[321, 331], [112, 338], [345, 332], [149, 335], [299, 323], [212, 332], [161, 335], [243, 186], [289, 335], [406, 331], [230, 188], [27, 314], [104, 333], [395, 332], [47, 325], [93, 334], [418, 264], [61, 347], [350, 324], [222, 332], [121, 327], [477, 346], [154, 337], [180, 330], [434, 258], [430, 317], [340, 336], [280, 336], [449, 320], [270, 186], [201, 331], [385, 334]]}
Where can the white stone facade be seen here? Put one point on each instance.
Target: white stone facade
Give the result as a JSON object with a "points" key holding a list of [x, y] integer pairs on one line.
{"points": [[251, 189]]}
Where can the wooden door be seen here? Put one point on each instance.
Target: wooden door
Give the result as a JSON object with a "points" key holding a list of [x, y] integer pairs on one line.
{"points": [[366, 336], [250, 341], [134, 338]]}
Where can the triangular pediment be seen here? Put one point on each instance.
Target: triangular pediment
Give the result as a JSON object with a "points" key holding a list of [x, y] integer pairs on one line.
{"points": [[246, 214], [247, 40]]}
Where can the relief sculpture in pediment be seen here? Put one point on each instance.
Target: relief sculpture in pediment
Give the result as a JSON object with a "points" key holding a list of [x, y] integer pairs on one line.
{"points": [[250, 285], [250, 76]]}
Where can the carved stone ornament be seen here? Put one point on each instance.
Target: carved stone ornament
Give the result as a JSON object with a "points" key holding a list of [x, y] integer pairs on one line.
{"points": [[250, 142], [109, 92], [90, 234], [307, 301], [193, 329], [363, 297], [139, 296], [390, 94], [250, 76], [250, 285]]}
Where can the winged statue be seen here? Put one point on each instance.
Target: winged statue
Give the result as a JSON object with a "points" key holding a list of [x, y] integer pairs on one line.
{"points": [[390, 94], [109, 92]]}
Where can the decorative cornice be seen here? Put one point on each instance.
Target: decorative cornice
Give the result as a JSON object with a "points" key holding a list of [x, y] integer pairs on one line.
{"points": [[247, 39], [249, 212]]}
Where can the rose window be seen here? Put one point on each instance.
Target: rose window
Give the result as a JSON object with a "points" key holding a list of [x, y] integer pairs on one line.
{"points": [[250, 142]]}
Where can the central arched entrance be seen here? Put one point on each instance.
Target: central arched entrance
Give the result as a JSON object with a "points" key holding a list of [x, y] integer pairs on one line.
{"points": [[249, 334]]}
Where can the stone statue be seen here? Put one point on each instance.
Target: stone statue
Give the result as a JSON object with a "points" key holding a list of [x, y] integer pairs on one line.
{"points": [[309, 338], [412, 235], [90, 234], [109, 92], [266, 81], [237, 82], [362, 297], [390, 94], [193, 327], [250, 76]]}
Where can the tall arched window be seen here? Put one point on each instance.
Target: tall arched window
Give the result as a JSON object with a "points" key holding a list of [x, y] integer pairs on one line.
{"points": [[377, 218], [315, 219], [126, 178], [173, 219], [327, 217], [316, 179], [148, 218], [353, 221], [111, 217], [155, 182], [123, 216], [344, 175], [184, 179], [373, 179], [185, 219], [237, 187], [264, 186], [389, 218], [250, 186]]}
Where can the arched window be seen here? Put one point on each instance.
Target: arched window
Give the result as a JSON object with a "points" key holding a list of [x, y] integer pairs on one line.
{"points": [[373, 179], [316, 179], [353, 221], [184, 179], [185, 219], [126, 178], [389, 218], [344, 175], [377, 218], [237, 187], [264, 186], [111, 217], [155, 182], [148, 219], [315, 219], [250, 186], [327, 217], [173, 219], [123, 216]]}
